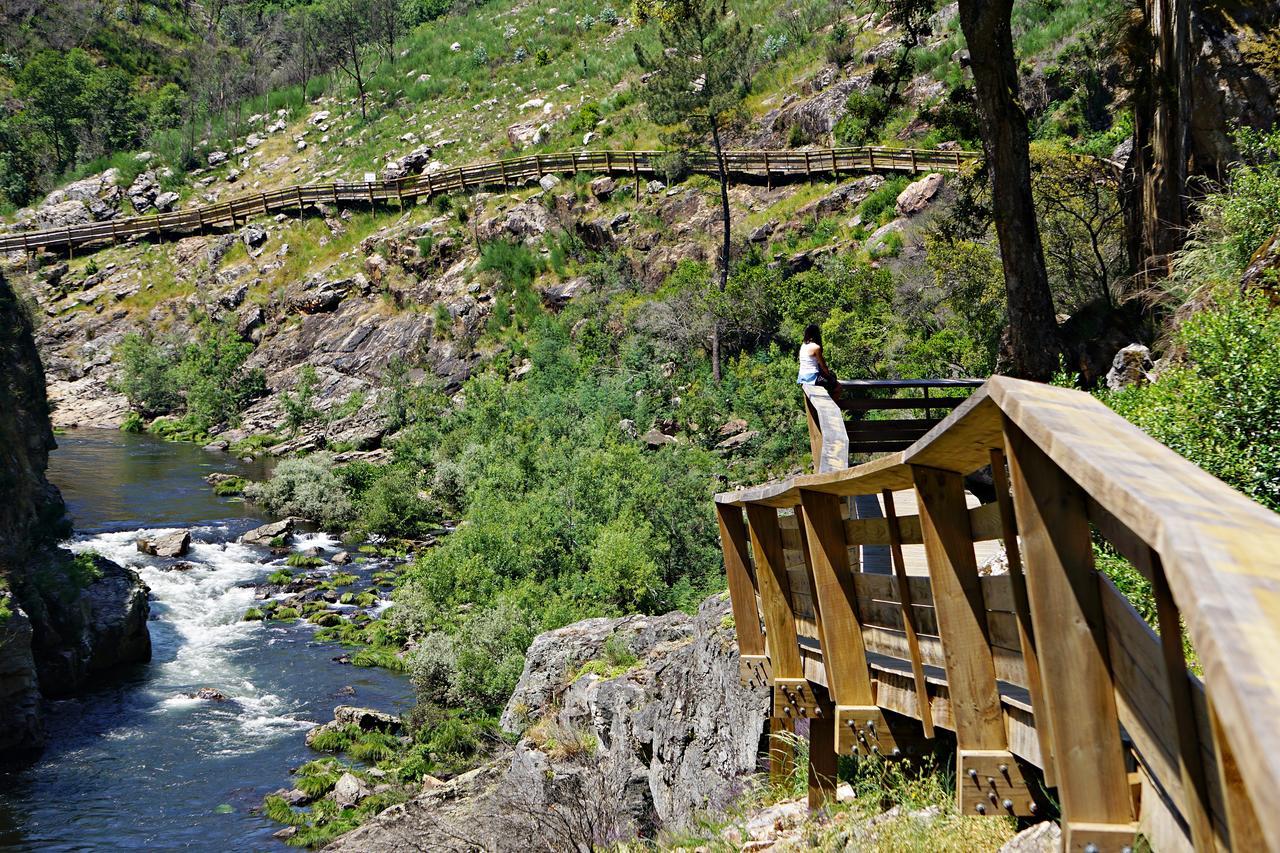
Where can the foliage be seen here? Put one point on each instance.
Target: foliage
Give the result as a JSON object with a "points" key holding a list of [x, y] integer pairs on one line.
{"points": [[308, 488], [1219, 406], [206, 378], [299, 408], [478, 666]]}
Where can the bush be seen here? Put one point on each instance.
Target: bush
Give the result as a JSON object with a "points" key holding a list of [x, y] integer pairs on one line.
{"points": [[1220, 405], [299, 408], [308, 488], [147, 377], [479, 666]]}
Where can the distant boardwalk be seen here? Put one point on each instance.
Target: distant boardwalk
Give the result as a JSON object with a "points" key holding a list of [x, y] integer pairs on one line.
{"points": [[821, 163]]}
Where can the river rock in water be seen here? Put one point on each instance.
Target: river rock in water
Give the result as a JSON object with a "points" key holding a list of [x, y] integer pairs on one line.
{"points": [[174, 544], [266, 533]]}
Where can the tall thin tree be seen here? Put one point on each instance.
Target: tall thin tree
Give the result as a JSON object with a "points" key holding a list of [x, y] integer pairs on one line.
{"points": [[697, 81], [1033, 329], [348, 26]]}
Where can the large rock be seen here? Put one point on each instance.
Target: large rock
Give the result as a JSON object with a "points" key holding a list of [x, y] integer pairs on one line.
{"points": [[1129, 367], [917, 195], [172, 544], [265, 534], [655, 747], [349, 791], [527, 220]]}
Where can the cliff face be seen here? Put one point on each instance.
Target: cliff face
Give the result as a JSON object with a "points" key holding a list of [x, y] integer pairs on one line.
{"points": [[620, 752], [62, 620]]}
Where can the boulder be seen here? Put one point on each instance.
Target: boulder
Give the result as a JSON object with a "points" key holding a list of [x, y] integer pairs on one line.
{"points": [[733, 442], [366, 718], [143, 191], [733, 427], [526, 220], [1130, 367], [253, 236], [1045, 837], [173, 544], [208, 694], [266, 533], [341, 558], [350, 790], [556, 296], [217, 158], [165, 202], [878, 241], [655, 438], [603, 187], [916, 196], [548, 182]]}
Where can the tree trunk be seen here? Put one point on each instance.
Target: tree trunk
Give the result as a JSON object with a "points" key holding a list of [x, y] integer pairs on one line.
{"points": [[1033, 331], [1160, 150], [724, 244]]}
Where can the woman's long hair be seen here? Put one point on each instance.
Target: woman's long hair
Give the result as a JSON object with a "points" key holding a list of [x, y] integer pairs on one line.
{"points": [[813, 334]]}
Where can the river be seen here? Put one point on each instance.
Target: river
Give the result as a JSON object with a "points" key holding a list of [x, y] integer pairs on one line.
{"points": [[135, 764]]}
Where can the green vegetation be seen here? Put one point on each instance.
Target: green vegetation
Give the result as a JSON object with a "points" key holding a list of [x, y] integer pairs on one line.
{"points": [[298, 560], [204, 379]]}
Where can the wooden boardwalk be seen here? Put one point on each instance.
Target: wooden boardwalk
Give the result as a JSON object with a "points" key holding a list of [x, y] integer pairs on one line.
{"points": [[768, 166], [1058, 694]]}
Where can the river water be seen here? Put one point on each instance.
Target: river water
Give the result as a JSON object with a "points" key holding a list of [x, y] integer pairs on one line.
{"points": [[135, 764]]}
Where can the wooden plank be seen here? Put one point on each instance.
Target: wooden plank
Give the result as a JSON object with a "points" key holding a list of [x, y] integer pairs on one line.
{"points": [[1246, 831], [1071, 641], [908, 617]]}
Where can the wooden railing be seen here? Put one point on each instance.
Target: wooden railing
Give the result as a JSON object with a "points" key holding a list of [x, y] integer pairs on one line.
{"points": [[782, 165], [1056, 690]]}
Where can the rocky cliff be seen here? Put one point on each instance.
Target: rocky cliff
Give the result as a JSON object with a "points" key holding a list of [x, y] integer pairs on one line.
{"points": [[62, 619], [611, 748]]}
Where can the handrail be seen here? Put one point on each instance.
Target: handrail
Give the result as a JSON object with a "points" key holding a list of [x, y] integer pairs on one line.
{"points": [[1069, 664], [821, 162]]}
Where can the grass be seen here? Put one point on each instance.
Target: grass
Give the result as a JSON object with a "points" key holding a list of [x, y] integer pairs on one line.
{"points": [[386, 657], [298, 560]]}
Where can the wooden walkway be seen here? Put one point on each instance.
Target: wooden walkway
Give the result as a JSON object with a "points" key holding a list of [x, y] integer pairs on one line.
{"points": [[767, 166], [1057, 692]]}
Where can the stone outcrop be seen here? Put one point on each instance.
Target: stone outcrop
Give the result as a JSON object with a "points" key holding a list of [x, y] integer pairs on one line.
{"points": [[62, 619], [608, 755]]}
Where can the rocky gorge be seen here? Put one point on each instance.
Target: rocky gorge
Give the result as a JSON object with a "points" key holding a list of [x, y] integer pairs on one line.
{"points": [[64, 619]]}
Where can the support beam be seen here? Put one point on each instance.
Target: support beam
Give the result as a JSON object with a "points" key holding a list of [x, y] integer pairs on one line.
{"points": [[780, 624], [861, 727], [1242, 819], [989, 781], [1066, 607], [1022, 612]]}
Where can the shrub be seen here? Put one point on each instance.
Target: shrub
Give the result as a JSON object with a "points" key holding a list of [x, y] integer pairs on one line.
{"points": [[298, 560], [133, 422], [879, 206], [1220, 405], [147, 378], [308, 488], [280, 577], [299, 408]]}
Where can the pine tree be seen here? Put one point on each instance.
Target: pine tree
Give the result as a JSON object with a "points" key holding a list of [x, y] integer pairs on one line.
{"points": [[697, 82]]}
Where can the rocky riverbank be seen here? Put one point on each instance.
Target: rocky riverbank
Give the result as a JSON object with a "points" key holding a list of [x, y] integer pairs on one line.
{"points": [[63, 619], [627, 727]]}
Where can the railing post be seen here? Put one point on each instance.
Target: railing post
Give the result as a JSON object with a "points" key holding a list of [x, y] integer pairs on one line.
{"points": [[988, 780], [1066, 607], [742, 595], [861, 727], [789, 684], [1242, 820]]}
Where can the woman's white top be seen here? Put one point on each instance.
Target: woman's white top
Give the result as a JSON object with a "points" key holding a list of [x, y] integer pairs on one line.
{"points": [[809, 358]]}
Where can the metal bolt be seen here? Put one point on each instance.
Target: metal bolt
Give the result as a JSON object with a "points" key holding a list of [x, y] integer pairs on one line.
{"points": [[896, 752], [981, 809], [787, 711], [871, 726], [1091, 848], [1008, 805], [973, 774], [803, 712], [1034, 808], [992, 798], [851, 723], [1004, 768], [991, 781], [1126, 849], [875, 749]]}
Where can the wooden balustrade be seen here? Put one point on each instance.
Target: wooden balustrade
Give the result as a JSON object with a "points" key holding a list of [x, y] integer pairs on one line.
{"points": [[1055, 689], [767, 165]]}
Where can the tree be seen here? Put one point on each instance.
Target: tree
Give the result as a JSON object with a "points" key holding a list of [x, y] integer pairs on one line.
{"points": [[1077, 200], [348, 26], [387, 18], [1033, 331], [698, 81], [305, 47], [52, 87]]}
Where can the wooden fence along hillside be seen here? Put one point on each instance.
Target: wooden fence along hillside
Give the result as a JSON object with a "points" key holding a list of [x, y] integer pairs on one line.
{"points": [[767, 165], [1056, 690]]}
